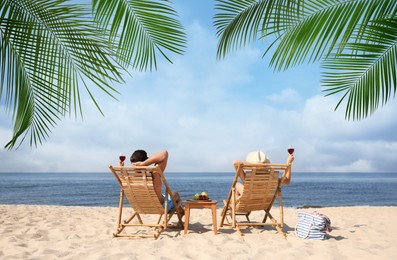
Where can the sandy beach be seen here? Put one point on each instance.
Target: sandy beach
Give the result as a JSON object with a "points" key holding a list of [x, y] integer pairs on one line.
{"points": [[60, 232]]}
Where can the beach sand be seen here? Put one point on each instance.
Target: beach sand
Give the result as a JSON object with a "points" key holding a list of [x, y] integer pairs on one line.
{"points": [[63, 232]]}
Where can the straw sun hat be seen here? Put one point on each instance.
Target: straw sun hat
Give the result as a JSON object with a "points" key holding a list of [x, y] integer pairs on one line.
{"points": [[256, 157]]}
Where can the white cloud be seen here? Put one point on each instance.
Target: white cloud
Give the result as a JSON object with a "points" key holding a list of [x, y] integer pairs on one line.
{"points": [[208, 113], [287, 96], [356, 166]]}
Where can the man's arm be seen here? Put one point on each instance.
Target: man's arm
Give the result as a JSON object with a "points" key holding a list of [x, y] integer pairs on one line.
{"points": [[159, 158]]}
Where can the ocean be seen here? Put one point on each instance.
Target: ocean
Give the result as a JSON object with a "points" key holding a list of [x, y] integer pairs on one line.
{"points": [[101, 189]]}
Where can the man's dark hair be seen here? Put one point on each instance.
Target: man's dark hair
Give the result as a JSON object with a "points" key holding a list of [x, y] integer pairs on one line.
{"points": [[138, 156]]}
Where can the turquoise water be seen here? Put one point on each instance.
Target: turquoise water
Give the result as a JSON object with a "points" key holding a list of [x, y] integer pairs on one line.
{"points": [[101, 189]]}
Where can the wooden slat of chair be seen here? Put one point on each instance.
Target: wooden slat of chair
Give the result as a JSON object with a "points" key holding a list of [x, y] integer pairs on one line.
{"points": [[140, 192], [256, 183]]}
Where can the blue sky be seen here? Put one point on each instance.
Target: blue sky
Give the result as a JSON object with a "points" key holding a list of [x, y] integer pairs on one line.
{"points": [[208, 112]]}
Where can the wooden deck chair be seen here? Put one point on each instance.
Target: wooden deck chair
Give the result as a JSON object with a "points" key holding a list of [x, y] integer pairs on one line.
{"points": [[262, 186], [136, 184]]}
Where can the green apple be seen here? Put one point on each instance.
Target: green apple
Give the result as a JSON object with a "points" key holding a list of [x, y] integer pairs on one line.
{"points": [[196, 196]]}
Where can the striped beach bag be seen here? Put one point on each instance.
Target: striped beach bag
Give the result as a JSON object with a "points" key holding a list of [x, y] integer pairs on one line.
{"points": [[312, 225]]}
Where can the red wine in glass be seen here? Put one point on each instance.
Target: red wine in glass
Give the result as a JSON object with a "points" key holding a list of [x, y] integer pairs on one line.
{"points": [[122, 159], [290, 150]]}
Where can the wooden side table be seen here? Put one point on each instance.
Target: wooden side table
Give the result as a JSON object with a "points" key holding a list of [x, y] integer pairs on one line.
{"points": [[200, 204]]}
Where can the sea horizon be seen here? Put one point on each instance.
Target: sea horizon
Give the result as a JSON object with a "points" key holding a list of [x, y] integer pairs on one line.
{"points": [[307, 189], [198, 172]]}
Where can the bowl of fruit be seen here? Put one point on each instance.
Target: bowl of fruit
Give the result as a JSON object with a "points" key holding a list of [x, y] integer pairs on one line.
{"points": [[202, 196]]}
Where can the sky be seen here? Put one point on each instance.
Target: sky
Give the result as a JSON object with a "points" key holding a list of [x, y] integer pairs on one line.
{"points": [[208, 112]]}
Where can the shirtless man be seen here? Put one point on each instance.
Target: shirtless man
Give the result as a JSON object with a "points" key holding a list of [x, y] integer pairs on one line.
{"points": [[140, 158]]}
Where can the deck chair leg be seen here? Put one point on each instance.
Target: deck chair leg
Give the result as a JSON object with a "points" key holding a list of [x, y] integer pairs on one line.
{"points": [[223, 216], [226, 217], [239, 230], [229, 219], [160, 229], [265, 218], [234, 207], [276, 225], [120, 207], [139, 218], [131, 218], [120, 227], [247, 216], [157, 234], [120, 214], [229, 198], [225, 209], [280, 202], [158, 221]]}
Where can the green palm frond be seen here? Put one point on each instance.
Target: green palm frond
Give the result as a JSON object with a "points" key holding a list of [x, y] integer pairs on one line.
{"points": [[241, 22], [46, 49], [324, 26], [303, 30], [341, 32], [140, 29], [367, 75], [51, 48]]}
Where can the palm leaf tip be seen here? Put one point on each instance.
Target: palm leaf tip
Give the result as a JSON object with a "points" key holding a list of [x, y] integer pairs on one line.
{"points": [[366, 71], [144, 29]]}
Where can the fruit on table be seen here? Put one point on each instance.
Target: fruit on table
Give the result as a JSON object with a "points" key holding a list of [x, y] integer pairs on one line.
{"points": [[196, 196], [202, 196]]}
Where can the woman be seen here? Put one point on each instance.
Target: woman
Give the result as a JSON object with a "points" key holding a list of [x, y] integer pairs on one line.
{"points": [[286, 178]]}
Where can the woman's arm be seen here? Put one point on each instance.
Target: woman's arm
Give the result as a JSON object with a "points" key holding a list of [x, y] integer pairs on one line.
{"points": [[286, 179], [236, 163]]}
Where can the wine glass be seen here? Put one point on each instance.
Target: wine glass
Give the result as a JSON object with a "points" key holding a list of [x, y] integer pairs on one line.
{"points": [[290, 149], [122, 158]]}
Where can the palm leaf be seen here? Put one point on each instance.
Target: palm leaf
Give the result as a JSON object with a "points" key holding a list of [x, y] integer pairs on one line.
{"points": [[341, 32], [241, 22], [140, 29], [367, 75], [303, 30], [47, 48]]}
